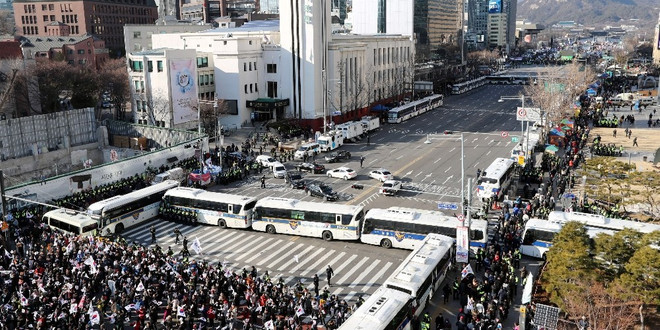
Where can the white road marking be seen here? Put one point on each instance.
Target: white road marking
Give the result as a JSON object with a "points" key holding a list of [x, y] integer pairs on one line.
{"points": [[409, 172], [447, 179], [437, 160], [448, 168], [399, 157]]}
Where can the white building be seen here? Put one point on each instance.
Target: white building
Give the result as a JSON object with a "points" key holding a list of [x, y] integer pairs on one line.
{"points": [[274, 69], [656, 44]]}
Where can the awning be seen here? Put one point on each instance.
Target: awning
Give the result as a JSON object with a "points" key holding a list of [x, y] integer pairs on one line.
{"points": [[267, 103]]}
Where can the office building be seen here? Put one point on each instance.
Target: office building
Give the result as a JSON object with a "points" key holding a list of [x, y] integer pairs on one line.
{"points": [[477, 23], [103, 18], [502, 24]]}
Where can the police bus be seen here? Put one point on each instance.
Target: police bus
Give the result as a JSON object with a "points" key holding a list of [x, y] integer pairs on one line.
{"points": [[405, 228], [71, 222], [218, 209], [538, 235], [295, 217], [412, 109], [385, 309], [602, 222], [124, 211], [496, 179], [423, 271]]}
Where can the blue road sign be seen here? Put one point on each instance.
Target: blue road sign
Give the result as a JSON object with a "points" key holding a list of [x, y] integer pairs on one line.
{"points": [[447, 206]]}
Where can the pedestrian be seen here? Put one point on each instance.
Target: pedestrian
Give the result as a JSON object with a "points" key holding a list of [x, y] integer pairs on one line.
{"points": [[583, 324], [361, 161], [263, 181], [635, 142], [446, 292], [153, 234], [439, 322], [316, 284], [177, 233], [368, 140], [629, 133], [329, 273], [614, 133]]}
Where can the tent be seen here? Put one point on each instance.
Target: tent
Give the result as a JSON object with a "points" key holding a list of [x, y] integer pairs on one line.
{"points": [[567, 122], [591, 91], [549, 148], [556, 137]]}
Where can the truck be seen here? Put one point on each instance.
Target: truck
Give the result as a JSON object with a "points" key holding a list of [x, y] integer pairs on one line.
{"points": [[331, 140], [369, 123], [351, 130]]}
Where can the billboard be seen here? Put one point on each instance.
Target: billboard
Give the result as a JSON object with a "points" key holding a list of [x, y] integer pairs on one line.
{"points": [[494, 6], [462, 244], [184, 90]]}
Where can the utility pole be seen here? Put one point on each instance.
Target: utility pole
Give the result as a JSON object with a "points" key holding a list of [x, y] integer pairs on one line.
{"points": [[4, 203]]}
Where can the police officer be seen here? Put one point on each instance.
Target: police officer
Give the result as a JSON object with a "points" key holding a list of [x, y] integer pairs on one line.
{"points": [[177, 233], [153, 234], [263, 181]]}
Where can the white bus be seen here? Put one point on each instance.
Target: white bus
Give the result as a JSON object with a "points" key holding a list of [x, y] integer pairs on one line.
{"points": [[496, 179], [468, 85], [218, 209], [602, 222], [385, 309], [538, 235], [423, 271], [292, 216], [71, 222], [412, 109], [124, 211], [405, 228]]}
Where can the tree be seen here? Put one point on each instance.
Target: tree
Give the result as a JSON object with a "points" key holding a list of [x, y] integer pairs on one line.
{"points": [[114, 79], [614, 251], [608, 173], [570, 263], [602, 306], [645, 189], [9, 74], [6, 23], [81, 85], [642, 278]]}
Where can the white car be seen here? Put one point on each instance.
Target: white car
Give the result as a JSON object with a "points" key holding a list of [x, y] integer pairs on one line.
{"points": [[381, 175], [342, 173], [279, 171], [390, 187], [266, 161]]}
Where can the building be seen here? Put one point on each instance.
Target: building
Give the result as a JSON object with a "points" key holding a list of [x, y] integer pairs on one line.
{"points": [[502, 24], [434, 24], [269, 6], [102, 18], [477, 23], [83, 50], [137, 37], [269, 70], [527, 32], [656, 43]]}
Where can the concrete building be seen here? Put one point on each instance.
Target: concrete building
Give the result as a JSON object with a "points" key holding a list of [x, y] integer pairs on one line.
{"points": [[103, 18], [83, 50], [269, 6], [477, 23], [137, 37], [502, 24], [272, 70], [656, 43]]}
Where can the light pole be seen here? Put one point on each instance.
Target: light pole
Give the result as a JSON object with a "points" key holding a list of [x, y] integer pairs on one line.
{"points": [[522, 122], [443, 137]]}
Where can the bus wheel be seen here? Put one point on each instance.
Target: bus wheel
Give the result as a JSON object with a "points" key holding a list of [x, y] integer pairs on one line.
{"points": [[222, 224], [119, 229], [386, 243], [327, 235], [270, 229]]}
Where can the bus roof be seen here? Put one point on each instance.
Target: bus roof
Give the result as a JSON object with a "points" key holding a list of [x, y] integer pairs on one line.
{"points": [[556, 227], [202, 194], [426, 217], [419, 264], [377, 311], [295, 204], [134, 195], [497, 169], [69, 216], [599, 221]]}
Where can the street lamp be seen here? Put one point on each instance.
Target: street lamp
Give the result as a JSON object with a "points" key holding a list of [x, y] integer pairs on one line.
{"points": [[444, 137]]}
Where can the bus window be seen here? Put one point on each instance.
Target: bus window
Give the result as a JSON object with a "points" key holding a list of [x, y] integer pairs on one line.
{"points": [[368, 226], [236, 208], [476, 235]]}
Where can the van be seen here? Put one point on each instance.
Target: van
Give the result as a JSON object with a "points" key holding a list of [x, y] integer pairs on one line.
{"points": [[175, 174], [279, 171], [648, 100], [309, 149], [71, 222]]}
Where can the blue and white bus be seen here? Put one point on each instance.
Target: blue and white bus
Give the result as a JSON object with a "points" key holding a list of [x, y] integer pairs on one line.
{"points": [[295, 217], [385, 309], [602, 222], [538, 235], [218, 209], [124, 211], [496, 179], [406, 228]]}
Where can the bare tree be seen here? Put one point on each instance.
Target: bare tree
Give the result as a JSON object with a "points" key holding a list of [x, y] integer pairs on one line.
{"points": [[114, 79], [8, 79]]}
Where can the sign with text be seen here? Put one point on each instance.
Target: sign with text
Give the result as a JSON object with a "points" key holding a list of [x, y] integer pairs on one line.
{"points": [[462, 244], [447, 206], [528, 114]]}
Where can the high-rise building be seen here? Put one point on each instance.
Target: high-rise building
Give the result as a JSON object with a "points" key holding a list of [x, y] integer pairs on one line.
{"points": [[102, 18], [433, 23], [269, 6], [338, 7], [502, 24], [656, 43], [477, 22]]}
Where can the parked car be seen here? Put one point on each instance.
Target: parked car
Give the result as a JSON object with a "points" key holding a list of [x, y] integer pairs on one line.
{"points": [[337, 156], [311, 167], [321, 190], [390, 187], [295, 180], [381, 175], [342, 173], [279, 171], [266, 161]]}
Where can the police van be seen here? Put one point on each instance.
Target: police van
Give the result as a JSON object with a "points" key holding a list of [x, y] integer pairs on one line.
{"points": [[309, 149]]}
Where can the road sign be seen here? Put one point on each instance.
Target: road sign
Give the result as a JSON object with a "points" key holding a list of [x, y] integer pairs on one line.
{"points": [[504, 134], [514, 139], [460, 217], [528, 114], [447, 206]]}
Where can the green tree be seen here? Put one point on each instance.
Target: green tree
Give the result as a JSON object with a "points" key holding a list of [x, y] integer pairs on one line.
{"points": [[614, 251], [642, 277], [570, 262]]}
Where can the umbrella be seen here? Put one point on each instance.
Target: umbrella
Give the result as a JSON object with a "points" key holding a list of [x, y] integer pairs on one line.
{"points": [[551, 148], [567, 122]]}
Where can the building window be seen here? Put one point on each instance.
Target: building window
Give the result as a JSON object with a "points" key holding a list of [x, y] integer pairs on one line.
{"points": [[250, 42], [137, 34], [45, 18], [224, 42], [244, 67], [245, 88], [150, 66], [382, 16], [272, 89], [71, 62], [255, 66], [271, 68], [251, 88], [159, 66], [202, 62], [70, 51], [136, 66], [211, 81], [52, 17], [250, 64], [81, 51]]}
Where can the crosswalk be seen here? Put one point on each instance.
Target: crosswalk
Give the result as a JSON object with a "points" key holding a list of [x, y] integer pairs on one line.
{"points": [[289, 257]]}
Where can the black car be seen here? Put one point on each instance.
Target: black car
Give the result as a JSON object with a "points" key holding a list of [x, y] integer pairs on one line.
{"points": [[311, 167], [337, 156], [295, 179], [321, 190]]}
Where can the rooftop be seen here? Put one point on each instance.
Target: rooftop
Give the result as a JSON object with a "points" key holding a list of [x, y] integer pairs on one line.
{"points": [[46, 43], [251, 26]]}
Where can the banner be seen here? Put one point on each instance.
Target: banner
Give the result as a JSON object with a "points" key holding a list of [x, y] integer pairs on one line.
{"points": [[197, 246], [184, 90], [467, 270], [495, 6], [462, 244]]}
